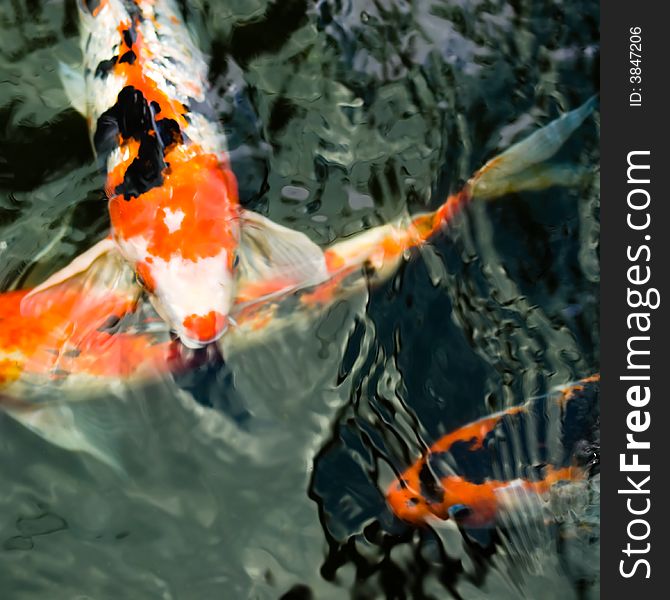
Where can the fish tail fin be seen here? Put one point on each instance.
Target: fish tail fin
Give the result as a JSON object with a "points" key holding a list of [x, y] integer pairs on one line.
{"points": [[59, 425], [523, 166], [531, 519], [521, 524]]}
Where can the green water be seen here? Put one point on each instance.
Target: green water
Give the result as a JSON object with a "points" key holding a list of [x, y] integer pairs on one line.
{"points": [[263, 474]]}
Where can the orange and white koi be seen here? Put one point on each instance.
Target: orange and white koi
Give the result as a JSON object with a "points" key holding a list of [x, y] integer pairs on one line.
{"points": [[60, 329], [174, 213], [496, 463], [173, 206]]}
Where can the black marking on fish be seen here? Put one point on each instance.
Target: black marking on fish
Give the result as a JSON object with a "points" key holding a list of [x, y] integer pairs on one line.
{"points": [[146, 171], [129, 36], [474, 464], [105, 66], [106, 133], [431, 489], [128, 57], [133, 117], [169, 132], [130, 116], [521, 440]]}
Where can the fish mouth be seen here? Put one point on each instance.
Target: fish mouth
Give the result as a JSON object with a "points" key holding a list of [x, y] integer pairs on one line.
{"points": [[199, 330]]}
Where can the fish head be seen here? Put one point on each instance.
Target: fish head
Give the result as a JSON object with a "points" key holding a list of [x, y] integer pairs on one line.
{"points": [[182, 240], [193, 296]]}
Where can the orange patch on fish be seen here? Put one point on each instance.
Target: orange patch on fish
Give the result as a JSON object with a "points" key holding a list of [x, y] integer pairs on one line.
{"points": [[204, 327], [199, 186], [407, 502], [143, 271], [334, 262], [473, 433], [10, 371], [67, 333]]}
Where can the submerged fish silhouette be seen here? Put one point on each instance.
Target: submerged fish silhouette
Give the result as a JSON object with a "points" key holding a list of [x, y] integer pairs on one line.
{"points": [[504, 462]]}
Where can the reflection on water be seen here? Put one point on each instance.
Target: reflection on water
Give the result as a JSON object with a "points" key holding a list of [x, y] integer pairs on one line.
{"points": [[263, 473]]}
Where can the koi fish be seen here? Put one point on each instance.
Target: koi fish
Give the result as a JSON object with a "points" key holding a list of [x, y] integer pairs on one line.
{"points": [[173, 206], [87, 325], [178, 235], [500, 462]]}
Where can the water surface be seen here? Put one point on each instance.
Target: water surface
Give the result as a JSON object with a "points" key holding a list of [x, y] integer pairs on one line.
{"points": [[262, 475]]}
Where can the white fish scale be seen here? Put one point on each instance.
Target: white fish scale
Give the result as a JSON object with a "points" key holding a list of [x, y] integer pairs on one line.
{"points": [[100, 40], [168, 57], [171, 58]]}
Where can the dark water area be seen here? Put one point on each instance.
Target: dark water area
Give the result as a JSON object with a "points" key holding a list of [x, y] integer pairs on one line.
{"points": [[262, 474]]}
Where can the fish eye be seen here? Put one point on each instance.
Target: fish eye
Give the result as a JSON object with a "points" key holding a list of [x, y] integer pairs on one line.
{"points": [[236, 261], [140, 280]]}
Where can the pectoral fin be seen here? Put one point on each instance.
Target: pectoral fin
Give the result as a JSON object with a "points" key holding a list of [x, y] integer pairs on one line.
{"points": [[83, 295], [277, 258], [75, 87]]}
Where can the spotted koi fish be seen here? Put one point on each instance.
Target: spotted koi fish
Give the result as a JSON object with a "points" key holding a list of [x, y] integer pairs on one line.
{"points": [[179, 237], [176, 223], [173, 206], [499, 462]]}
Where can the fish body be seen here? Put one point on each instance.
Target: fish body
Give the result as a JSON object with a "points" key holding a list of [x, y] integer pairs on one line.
{"points": [[177, 233], [60, 330], [173, 202], [179, 237], [174, 212], [501, 463]]}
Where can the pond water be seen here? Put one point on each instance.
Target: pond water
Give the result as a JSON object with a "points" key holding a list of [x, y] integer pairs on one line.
{"points": [[262, 474]]}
